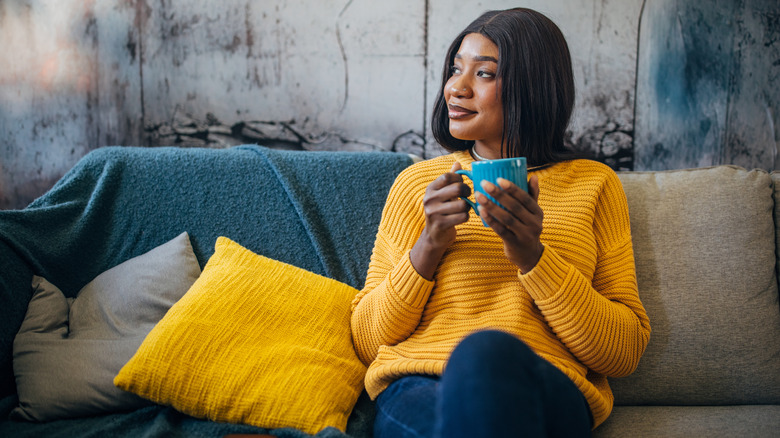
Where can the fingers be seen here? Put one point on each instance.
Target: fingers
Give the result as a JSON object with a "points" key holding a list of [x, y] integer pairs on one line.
{"points": [[518, 226], [449, 185], [520, 216], [451, 207], [533, 188], [499, 226], [443, 205], [513, 197], [518, 222]]}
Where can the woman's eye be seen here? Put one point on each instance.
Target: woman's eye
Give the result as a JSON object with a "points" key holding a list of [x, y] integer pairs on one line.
{"points": [[485, 74], [454, 70]]}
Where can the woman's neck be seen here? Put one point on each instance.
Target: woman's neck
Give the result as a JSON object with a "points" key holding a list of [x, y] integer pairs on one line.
{"points": [[482, 153]]}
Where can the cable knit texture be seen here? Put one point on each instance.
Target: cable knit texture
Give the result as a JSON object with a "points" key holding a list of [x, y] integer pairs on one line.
{"points": [[578, 308]]}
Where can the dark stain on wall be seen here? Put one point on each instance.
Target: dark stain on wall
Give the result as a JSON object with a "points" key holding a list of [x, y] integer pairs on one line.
{"points": [[707, 90], [185, 130], [609, 144]]}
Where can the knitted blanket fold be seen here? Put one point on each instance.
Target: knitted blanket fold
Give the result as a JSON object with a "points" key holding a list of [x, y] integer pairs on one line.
{"points": [[338, 199]]}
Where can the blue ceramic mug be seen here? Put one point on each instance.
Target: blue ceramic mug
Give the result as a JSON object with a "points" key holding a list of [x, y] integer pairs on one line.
{"points": [[511, 169]]}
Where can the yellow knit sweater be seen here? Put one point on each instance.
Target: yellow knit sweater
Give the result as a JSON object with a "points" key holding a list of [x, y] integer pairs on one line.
{"points": [[578, 308]]}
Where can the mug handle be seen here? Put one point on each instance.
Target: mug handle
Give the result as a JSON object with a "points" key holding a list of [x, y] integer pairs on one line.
{"points": [[471, 203]]}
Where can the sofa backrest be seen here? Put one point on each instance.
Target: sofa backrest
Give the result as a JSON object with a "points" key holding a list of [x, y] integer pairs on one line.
{"points": [[704, 242], [776, 197], [315, 210], [12, 308]]}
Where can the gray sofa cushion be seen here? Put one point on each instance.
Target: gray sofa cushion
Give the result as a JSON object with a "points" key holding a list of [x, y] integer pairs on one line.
{"points": [[68, 351], [705, 257]]}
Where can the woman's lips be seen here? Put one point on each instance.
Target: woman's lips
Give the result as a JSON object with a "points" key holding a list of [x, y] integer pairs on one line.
{"points": [[458, 112]]}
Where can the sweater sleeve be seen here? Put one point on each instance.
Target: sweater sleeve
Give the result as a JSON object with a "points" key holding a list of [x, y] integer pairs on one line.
{"points": [[601, 321], [388, 309]]}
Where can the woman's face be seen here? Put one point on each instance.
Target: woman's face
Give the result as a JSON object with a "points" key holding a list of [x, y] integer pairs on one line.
{"points": [[473, 95]]}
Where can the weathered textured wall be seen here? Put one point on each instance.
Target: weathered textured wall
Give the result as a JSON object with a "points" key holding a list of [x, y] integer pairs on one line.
{"points": [[67, 85], [602, 37], [362, 75], [314, 74], [708, 85]]}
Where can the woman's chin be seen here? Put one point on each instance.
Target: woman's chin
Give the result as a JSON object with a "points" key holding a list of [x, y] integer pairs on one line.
{"points": [[459, 134]]}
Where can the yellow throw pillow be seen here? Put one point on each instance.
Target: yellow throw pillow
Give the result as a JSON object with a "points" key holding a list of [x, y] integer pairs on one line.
{"points": [[254, 341]]}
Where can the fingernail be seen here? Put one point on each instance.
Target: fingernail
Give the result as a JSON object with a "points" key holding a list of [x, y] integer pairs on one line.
{"points": [[504, 183], [487, 185]]}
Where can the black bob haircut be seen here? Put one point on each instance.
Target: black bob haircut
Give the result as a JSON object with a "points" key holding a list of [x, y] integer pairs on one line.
{"points": [[536, 82]]}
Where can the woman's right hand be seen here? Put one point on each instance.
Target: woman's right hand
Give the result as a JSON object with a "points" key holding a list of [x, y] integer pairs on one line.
{"points": [[443, 211]]}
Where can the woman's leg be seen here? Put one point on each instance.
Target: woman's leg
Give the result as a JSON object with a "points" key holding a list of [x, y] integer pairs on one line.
{"points": [[494, 385], [406, 409]]}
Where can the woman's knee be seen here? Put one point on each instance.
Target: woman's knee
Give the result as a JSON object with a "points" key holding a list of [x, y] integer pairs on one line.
{"points": [[490, 351]]}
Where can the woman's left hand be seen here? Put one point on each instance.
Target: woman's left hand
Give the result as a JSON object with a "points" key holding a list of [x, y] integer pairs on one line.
{"points": [[519, 223]]}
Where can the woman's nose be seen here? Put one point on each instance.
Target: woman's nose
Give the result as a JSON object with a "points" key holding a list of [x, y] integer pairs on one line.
{"points": [[459, 88]]}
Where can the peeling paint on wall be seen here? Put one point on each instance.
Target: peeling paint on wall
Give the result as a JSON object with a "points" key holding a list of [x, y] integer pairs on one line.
{"points": [[186, 131]]}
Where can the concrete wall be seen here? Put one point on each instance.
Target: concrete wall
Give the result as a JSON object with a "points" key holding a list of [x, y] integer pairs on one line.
{"points": [[362, 75]]}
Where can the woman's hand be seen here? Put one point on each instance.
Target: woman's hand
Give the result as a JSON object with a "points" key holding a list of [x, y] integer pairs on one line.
{"points": [[519, 223], [443, 211]]}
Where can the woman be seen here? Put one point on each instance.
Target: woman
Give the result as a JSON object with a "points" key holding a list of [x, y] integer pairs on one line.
{"points": [[511, 329]]}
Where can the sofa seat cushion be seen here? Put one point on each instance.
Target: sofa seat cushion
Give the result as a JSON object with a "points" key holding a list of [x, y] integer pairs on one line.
{"points": [[705, 258], [152, 421], [691, 421]]}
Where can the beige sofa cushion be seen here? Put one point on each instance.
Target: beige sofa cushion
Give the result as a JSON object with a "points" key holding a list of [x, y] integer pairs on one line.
{"points": [[691, 422], [704, 241], [776, 182]]}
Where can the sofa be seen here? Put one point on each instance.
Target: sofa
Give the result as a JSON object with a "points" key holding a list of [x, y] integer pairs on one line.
{"points": [[704, 239]]}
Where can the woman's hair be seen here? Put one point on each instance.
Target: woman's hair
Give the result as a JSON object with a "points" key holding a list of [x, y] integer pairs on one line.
{"points": [[536, 82]]}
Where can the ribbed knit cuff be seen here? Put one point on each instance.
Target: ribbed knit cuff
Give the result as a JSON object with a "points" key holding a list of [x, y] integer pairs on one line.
{"points": [[408, 284], [546, 278]]}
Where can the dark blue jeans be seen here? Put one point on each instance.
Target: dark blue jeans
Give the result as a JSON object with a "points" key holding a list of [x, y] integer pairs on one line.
{"points": [[493, 386]]}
